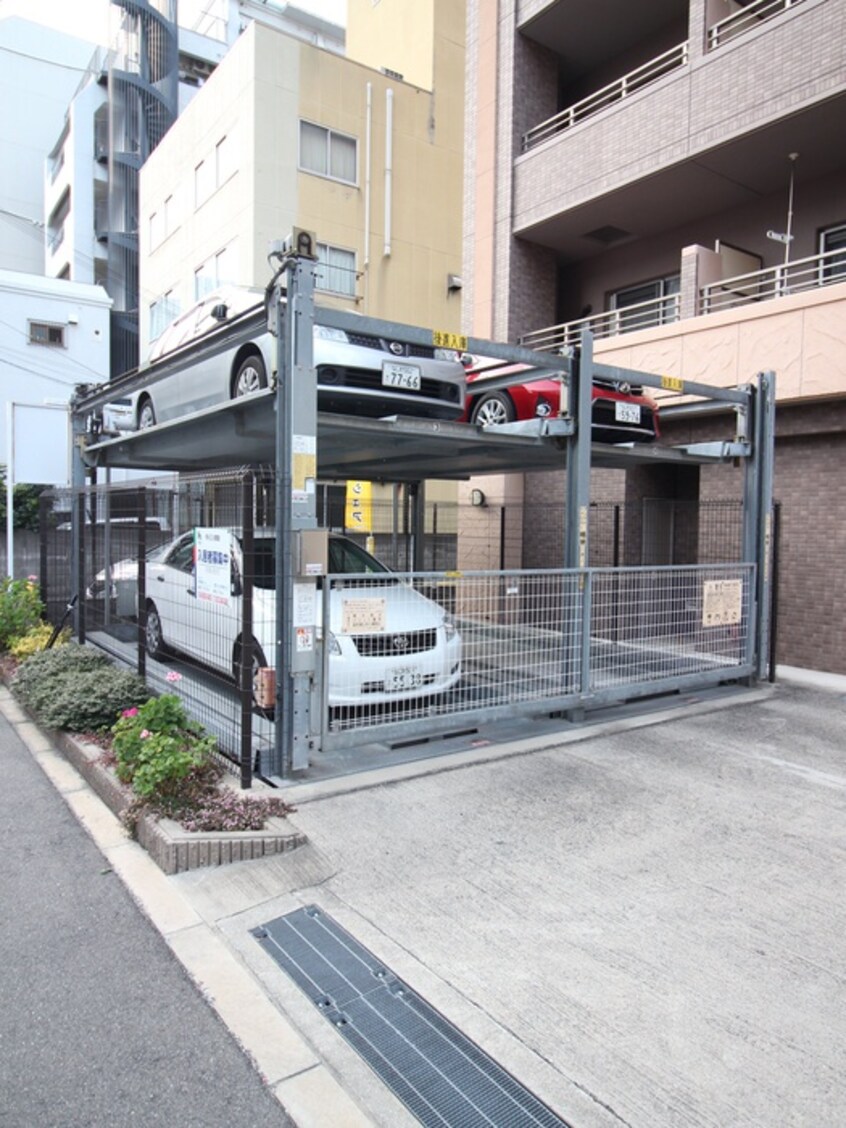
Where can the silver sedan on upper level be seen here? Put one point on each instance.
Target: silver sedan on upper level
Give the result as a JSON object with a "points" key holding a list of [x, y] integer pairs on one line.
{"points": [[358, 373]]}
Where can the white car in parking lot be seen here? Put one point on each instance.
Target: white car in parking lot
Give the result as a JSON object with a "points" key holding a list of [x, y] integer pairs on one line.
{"points": [[386, 642], [358, 373]]}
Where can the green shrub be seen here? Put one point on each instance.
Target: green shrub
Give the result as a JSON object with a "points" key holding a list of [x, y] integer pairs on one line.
{"points": [[157, 747], [75, 688], [20, 608], [36, 639]]}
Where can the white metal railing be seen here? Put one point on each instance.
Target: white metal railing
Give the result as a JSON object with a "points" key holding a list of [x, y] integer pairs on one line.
{"points": [[744, 20], [774, 282], [643, 315], [614, 92]]}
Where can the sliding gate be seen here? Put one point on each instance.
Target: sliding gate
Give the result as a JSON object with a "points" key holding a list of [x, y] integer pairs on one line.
{"points": [[497, 644]]}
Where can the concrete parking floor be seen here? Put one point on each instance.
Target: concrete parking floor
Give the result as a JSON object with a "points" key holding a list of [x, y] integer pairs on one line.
{"points": [[645, 925]]}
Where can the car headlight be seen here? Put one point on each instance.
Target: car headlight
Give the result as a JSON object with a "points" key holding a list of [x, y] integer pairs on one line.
{"points": [[332, 645], [328, 333], [447, 354], [450, 629]]}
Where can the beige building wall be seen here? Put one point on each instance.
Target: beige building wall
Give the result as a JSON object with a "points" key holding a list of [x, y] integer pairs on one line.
{"points": [[379, 35], [402, 217], [802, 338]]}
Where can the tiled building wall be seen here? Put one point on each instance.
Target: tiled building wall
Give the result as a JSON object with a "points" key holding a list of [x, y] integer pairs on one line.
{"points": [[810, 454]]}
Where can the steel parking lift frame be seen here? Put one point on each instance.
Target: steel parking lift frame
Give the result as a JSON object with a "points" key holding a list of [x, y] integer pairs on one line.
{"points": [[303, 445]]}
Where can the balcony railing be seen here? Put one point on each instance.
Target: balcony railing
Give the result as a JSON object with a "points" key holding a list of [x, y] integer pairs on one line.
{"points": [[774, 282], [615, 92], [763, 285], [643, 315], [753, 15]]}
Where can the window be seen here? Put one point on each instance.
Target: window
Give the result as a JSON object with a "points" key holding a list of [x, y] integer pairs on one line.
{"points": [[156, 230], [162, 311], [224, 160], [40, 333], [833, 246], [335, 270], [327, 153], [650, 303], [219, 270], [168, 216], [203, 182]]}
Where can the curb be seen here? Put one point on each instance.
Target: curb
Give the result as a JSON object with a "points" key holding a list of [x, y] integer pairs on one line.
{"points": [[288, 1065]]}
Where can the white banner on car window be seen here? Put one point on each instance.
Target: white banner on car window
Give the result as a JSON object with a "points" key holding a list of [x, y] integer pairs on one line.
{"points": [[213, 556]]}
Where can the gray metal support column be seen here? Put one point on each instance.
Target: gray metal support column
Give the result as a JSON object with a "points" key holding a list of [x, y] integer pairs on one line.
{"points": [[78, 479], [296, 504], [764, 456], [576, 545], [578, 458]]}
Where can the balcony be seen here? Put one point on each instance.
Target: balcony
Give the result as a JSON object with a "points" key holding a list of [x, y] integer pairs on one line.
{"points": [[752, 16], [774, 282], [614, 92], [760, 286]]}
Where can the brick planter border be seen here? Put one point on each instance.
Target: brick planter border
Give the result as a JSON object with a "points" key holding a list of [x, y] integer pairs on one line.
{"points": [[173, 849]]}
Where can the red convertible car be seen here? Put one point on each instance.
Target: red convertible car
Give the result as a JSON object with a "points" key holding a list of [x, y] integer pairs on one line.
{"points": [[621, 413]]}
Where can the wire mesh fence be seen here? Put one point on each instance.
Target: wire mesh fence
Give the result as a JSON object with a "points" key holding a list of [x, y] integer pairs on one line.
{"points": [[179, 578]]}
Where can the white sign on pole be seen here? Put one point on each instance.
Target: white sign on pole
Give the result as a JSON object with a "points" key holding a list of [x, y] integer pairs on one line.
{"points": [[214, 565]]}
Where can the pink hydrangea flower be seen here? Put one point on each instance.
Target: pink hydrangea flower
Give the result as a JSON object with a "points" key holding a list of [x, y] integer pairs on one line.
{"points": [[129, 713], [144, 733], [173, 676]]}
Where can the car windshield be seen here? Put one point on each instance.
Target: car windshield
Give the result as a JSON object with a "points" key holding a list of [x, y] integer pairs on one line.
{"points": [[345, 558]]}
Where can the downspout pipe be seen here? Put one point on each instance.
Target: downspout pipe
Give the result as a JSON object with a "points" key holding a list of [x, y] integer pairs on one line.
{"points": [[389, 160]]}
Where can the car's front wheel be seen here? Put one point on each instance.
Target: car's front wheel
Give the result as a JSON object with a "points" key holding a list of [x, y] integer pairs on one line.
{"points": [[153, 637], [146, 414], [250, 377], [495, 407]]}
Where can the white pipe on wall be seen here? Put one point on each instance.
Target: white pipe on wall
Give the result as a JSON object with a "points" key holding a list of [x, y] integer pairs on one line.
{"points": [[389, 157]]}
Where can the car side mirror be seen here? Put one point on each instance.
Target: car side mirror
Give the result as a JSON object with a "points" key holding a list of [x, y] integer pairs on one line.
{"points": [[220, 312]]}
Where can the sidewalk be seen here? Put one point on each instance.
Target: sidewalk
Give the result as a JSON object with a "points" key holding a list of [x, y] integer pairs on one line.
{"points": [[644, 924]]}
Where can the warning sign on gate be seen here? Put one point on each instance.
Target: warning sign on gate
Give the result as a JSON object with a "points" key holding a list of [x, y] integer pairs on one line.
{"points": [[722, 603]]}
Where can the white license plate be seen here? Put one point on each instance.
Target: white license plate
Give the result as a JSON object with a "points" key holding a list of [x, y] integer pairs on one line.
{"points": [[405, 376], [627, 412], [404, 677]]}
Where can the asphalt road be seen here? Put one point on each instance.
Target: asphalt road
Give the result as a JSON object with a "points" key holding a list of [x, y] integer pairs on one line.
{"points": [[99, 1023]]}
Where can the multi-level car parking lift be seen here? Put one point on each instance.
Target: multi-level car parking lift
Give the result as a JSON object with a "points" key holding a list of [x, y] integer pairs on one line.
{"points": [[281, 427]]}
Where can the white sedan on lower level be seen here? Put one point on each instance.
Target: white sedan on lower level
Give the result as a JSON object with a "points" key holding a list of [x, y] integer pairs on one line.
{"points": [[386, 642]]}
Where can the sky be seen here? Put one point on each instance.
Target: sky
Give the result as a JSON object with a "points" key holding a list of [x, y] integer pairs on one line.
{"points": [[89, 19]]}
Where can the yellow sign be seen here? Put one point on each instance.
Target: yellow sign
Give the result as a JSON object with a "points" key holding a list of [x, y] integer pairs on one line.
{"points": [[672, 383], [359, 508], [443, 340]]}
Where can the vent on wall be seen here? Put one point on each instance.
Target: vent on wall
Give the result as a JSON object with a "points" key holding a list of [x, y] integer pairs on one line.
{"points": [[607, 235]]}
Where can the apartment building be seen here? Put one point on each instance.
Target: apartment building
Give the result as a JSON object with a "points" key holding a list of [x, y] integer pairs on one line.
{"points": [[285, 134], [127, 96], [672, 176]]}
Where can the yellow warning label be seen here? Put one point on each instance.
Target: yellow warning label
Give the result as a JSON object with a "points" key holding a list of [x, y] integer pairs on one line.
{"points": [[441, 339], [672, 383]]}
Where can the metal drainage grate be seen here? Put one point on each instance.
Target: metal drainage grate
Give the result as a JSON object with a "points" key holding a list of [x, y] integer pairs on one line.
{"points": [[446, 1080]]}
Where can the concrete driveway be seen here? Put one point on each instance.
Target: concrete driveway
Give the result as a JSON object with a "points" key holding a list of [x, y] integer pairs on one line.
{"points": [[645, 925]]}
